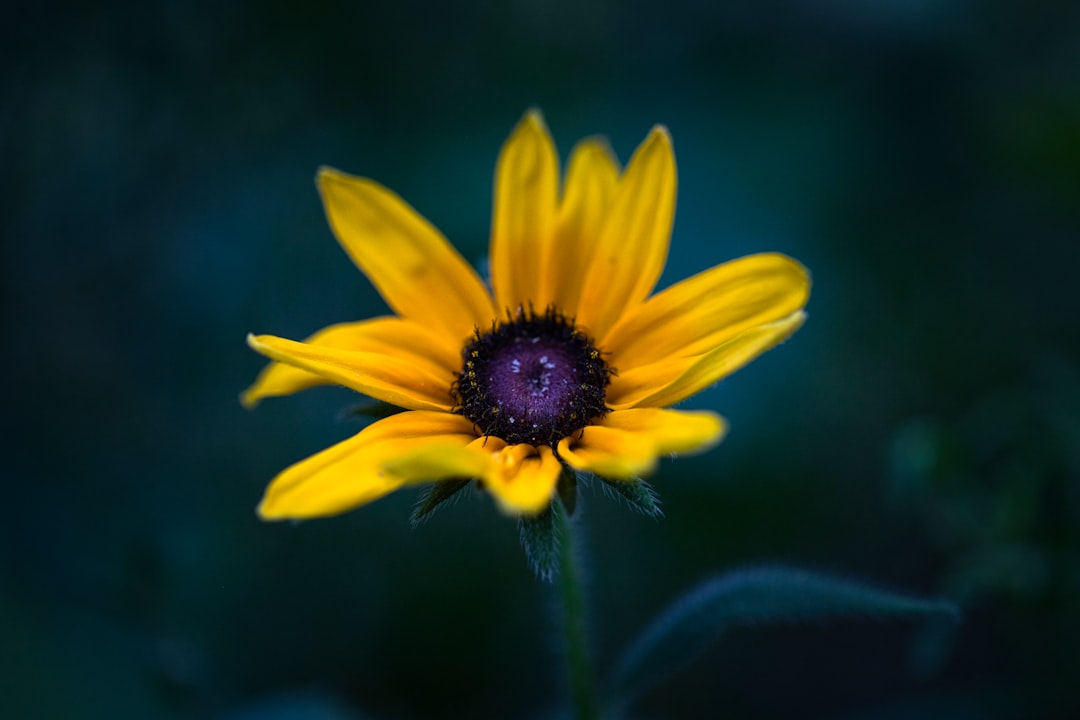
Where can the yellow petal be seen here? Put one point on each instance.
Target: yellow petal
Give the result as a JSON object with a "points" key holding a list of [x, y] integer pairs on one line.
{"points": [[703, 312], [413, 383], [629, 388], [632, 248], [403, 339], [524, 479], [409, 262], [526, 192], [628, 443], [609, 453], [591, 178], [670, 431], [521, 478], [441, 462], [352, 472], [666, 383]]}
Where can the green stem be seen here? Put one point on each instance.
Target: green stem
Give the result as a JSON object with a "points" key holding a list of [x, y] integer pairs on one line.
{"points": [[572, 598]]}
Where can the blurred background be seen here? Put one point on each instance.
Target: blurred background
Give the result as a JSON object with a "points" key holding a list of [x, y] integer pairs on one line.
{"points": [[922, 431]]}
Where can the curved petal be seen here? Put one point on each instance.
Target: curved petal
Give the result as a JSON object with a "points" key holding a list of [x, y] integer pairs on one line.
{"points": [[403, 339], [352, 472], [666, 383], [433, 463], [592, 176], [632, 248], [408, 261], [525, 479], [703, 312], [521, 478], [413, 384], [526, 193], [628, 389], [627, 444]]}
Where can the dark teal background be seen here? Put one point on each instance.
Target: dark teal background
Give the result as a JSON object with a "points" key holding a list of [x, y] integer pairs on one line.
{"points": [[922, 431]]}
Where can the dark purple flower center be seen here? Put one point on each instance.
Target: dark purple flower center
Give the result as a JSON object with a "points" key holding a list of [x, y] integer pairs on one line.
{"points": [[532, 379]]}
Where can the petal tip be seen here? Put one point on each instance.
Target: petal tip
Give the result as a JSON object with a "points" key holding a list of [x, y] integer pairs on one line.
{"points": [[329, 178], [798, 270], [326, 175], [719, 431], [257, 343], [518, 507], [659, 146], [598, 148], [249, 398], [533, 127], [519, 511], [266, 514], [533, 117], [660, 133]]}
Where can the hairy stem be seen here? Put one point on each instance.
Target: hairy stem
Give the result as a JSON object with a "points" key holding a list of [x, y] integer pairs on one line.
{"points": [[571, 593]]}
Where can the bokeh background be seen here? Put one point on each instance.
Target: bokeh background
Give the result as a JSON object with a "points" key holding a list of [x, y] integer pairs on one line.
{"points": [[922, 431]]}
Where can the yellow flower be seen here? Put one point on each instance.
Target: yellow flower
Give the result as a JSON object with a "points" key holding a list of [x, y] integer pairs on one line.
{"points": [[566, 360]]}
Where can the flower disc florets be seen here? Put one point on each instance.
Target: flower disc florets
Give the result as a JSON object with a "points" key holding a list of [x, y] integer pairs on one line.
{"points": [[532, 379]]}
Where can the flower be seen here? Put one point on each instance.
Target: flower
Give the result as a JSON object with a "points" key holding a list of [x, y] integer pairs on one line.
{"points": [[569, 359]]}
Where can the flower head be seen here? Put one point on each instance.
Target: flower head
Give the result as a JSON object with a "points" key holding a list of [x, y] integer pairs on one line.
{"points": [[568, 360]]}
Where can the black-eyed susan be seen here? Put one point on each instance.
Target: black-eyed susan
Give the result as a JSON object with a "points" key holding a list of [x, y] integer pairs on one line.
{"points": [[567, 360]]}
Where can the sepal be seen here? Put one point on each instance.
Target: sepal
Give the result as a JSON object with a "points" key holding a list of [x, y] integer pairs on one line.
{"points": [[541, 543], [639, 495], [567, 488], [434, 495]]}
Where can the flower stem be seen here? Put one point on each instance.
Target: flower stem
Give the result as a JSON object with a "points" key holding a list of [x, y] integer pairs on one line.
{"points": [[572, 599]]}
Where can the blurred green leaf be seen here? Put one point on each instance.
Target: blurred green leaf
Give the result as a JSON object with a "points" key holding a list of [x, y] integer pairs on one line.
{"points": [[754, 596]]}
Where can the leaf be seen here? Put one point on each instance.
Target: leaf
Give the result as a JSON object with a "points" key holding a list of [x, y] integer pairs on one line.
{"points": [[433, 496], [753, 596], [638, 494], [541, 544]]}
